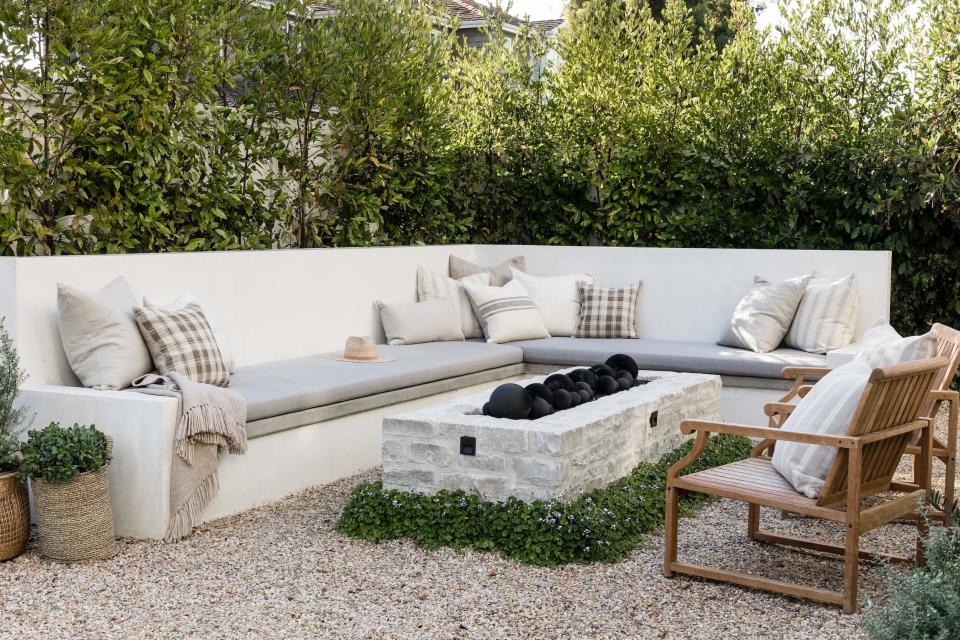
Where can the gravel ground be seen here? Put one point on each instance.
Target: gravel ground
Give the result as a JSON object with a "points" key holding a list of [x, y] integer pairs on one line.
{"points": [[281, 571]]}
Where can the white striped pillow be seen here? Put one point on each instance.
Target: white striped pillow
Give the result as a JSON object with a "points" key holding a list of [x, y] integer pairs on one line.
{"points": [[557, 298], [827, 316], [507, 313]]}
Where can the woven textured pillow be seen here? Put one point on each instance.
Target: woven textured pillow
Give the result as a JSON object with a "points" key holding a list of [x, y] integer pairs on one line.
{"points": [[608, 312], [827, 316], [763, 315], [181, 340], [432, 285], [507, 313], [557, 298], [499, 274]]}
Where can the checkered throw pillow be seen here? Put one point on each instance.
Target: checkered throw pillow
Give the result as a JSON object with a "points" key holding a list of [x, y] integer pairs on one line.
{"points": [[608, 312], [181, 340]]}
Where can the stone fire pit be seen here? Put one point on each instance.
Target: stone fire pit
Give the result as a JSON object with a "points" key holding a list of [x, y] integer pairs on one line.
{"points": [[454, 446]]}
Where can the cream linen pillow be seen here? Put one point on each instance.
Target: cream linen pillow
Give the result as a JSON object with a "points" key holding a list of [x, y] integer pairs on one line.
{"points": [[764, 314], [507, 313], [829, 408], [432, 285], [100, 336], [416, 322], [557, 299], [181, 302], [827, 316]]}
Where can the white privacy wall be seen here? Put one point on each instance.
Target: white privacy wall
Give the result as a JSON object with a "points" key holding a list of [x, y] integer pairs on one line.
{"points": [[283, 304], [689, 294]]}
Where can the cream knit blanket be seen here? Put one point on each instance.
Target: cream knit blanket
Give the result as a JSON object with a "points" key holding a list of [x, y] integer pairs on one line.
{"points": [[211, 419]]}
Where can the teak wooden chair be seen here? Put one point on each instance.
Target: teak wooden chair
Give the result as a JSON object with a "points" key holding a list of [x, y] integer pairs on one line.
{"points": [[885, 419], [948, 346]]}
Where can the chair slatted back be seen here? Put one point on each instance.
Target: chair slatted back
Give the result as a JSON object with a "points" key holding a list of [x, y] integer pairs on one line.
{"points": [[893, 396], [948, 346]]}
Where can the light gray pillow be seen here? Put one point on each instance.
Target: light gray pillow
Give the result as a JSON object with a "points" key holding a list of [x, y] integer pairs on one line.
{"points": [[499, 274], [416, 322], [507, 313], [100, 336], [432, 285], [827, 316], [763, 316]]}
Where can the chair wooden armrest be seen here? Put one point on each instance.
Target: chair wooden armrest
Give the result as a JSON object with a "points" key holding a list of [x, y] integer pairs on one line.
{"points": [[947, 395], [803, 390], [804, 372], [750, 431], [799, 376], [778, 409]]}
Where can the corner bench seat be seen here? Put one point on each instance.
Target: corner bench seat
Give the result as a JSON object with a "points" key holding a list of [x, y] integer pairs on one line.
{"points": [[285, 394], [668, 355]]}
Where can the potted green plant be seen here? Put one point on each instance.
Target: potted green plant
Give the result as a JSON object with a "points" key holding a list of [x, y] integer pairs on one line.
{"points": [[14, 504], [68, 469]]}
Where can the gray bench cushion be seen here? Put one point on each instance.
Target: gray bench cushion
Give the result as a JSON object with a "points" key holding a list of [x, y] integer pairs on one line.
{"points": [[277, 388], [669, 355]]}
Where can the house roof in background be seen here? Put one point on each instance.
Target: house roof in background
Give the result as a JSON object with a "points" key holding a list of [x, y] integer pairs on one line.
{"points": [[546, 25]]}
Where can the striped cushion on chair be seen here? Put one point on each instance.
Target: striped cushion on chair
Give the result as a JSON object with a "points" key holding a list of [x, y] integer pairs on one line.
{"points": [[181, 340], [827, 316], [608, 312]]}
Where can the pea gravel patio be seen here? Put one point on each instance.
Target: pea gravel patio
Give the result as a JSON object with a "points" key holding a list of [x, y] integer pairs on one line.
{"points": [[281, 571]]}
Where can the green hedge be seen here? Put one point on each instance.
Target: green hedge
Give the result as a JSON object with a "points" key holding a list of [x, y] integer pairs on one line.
{"points": [[602, 525], [148, 125]]}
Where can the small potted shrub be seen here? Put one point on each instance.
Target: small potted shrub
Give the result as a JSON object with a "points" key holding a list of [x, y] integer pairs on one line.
{"points": [[14, 504], [68, 472]]}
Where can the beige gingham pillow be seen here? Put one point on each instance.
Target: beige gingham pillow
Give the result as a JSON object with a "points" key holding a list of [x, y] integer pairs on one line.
{"points": [[608, 312], [181, 340]]}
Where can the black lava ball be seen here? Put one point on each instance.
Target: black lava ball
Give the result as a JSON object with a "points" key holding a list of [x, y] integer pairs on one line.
{"points": [[486, 408], [553, 385], [624, 384], [583, 386], [575, 399], [510, 401], [607, 385], [603, 370], [539, 408], [625, 362], [561, 400], [537, 390], [562, 378], [590, 378], [585, 396], [625, 374], [577, 374]]}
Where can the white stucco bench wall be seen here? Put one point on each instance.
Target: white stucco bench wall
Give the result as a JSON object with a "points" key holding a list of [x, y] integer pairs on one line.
{"points": [[282, 304]]}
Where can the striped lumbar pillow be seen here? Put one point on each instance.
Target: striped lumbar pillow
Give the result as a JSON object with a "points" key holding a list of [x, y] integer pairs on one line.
{"points": [[432, 285], [506, 313], [827, 316], [557, 298], [608, 312]]}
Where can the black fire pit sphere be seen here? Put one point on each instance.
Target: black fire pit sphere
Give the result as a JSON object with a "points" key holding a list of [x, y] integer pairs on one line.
{"points": [[510, 401], [539, 408], [625, 362]]}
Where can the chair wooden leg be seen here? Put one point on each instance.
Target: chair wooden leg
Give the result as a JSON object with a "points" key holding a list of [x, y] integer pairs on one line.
{"points": [[851, 568], [670, 532], [951, 462], [753, 520], [924, 463]]}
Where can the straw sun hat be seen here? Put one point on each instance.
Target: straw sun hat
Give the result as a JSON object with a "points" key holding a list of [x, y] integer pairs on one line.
{"points": [[360, 349]]}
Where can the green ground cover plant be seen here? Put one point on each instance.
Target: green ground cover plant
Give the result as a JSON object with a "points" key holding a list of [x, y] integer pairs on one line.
{"points": [[603, 525], [142, 125]]}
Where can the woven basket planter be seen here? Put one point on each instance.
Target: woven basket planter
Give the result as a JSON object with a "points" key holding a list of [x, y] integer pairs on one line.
{"points": [[75, 518], [14, 516]]}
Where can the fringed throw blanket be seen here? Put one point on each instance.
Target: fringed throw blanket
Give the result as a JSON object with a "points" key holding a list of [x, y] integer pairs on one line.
{"points": [[211, 419]]}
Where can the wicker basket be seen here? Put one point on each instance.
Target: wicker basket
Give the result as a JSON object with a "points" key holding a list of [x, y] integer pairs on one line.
{"points": [[14, 516], [75, 518]]}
